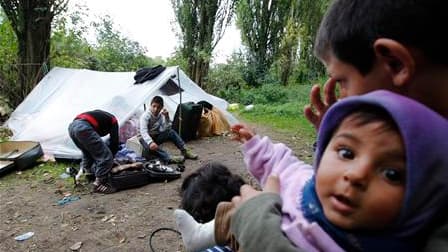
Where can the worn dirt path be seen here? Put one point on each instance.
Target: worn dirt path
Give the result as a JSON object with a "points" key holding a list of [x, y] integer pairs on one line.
{"points": [[117, 222]]}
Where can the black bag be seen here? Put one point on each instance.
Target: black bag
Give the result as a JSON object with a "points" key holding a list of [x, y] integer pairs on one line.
{"points": [[151, 171], [191, 116]]}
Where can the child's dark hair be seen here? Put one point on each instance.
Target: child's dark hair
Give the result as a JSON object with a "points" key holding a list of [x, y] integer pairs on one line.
{"points": [[350, 28], [203, 189], [157, 99]]}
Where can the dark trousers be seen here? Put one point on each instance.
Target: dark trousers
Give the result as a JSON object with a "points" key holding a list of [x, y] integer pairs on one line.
{"points": [[96, 155], [165, 136]]}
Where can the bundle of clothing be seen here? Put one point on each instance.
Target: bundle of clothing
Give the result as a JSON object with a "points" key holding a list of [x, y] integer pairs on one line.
{"points": [[212, 122]]}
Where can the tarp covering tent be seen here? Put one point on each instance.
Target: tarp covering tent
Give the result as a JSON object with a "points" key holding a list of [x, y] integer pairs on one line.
{"points": [[63, 93]]}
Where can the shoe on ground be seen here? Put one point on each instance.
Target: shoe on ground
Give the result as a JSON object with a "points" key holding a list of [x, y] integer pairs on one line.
{"points": [[102, 186], [176, 160], [189, 155]]}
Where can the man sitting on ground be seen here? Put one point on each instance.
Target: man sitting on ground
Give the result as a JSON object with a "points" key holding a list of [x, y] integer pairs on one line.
{"points": [[155, 129]]}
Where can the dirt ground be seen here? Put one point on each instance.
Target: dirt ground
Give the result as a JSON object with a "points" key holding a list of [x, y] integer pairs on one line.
{"points": [[123, 221]]}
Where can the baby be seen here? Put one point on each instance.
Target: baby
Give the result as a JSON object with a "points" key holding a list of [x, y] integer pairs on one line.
{"points": [[378, 182]]}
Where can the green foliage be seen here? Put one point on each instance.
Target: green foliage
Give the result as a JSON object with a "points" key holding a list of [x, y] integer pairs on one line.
{"points": [[226, 77], [202, 25], [111, 51], [286, 115], [262, 28], [8, 41], [310, 14], [286, 60], [114, 52], [9, 89], [177, 60], [68, 46], [270, 94], [31, 23], [287, 118]]}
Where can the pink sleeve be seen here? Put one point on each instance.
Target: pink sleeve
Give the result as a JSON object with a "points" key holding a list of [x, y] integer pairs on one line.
{"points": [[263, 158]]}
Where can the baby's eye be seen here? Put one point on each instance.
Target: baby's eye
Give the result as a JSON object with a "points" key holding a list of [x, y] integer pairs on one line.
{"points": [[346, 153], [393, 175]]}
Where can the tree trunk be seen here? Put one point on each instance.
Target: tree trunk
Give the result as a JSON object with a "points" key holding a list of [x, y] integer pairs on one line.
{"points": [[197, 21], [34, 48], [31, 22]]}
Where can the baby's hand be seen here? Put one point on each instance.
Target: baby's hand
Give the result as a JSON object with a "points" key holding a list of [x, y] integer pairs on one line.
{"points": [[242, 133]]}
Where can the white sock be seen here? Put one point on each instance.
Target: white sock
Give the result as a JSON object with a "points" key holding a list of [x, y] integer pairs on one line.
{"points": [[196, 236]]}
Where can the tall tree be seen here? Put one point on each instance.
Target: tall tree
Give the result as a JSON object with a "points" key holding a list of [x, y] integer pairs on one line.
{"points": [[202, 24], [115, 52], [262, 24], [310, 13], [288, 46], [31, 22]]}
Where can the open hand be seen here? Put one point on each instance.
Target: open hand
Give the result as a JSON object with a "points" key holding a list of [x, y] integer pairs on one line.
{"points": [[315, 111]]}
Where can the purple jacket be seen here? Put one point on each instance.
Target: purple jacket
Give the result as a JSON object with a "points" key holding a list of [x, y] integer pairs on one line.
{"points": [[425, 136]]}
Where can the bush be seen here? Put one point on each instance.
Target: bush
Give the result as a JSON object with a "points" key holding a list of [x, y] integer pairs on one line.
{"points": [[224, 79]]}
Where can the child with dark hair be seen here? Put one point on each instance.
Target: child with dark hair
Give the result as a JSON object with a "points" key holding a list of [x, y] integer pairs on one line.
{"points": [[155, 129], [202, 190], [375, 44], [366, 45], [376, 184]]}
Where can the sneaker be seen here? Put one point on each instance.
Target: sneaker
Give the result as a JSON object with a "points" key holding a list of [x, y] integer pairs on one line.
{"points": [[189, 155], [101, 186], [176, 160]]}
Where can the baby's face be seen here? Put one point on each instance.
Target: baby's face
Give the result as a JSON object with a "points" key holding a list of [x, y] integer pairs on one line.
{"points": [[360, 180], [352, 82]]}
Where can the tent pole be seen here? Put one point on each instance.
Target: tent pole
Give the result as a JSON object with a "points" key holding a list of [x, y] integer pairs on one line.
{"points": [[180, 103]]}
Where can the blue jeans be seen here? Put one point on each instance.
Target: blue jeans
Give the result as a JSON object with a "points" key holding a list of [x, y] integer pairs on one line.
{"points": [[165, 136], [96, 155]]}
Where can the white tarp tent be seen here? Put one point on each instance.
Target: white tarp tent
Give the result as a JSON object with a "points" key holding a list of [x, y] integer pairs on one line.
{"points": [[63, 93]]}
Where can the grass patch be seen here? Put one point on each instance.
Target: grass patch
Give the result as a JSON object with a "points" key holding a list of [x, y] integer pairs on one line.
{"points": [[287, 123], [287, 116], [48, 173]]}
